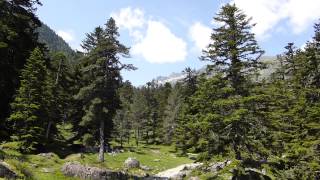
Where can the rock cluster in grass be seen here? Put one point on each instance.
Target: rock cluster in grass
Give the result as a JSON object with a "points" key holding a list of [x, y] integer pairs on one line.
{"points": [[6, 171], [48, 155], [75, 169], [217, 166], [132, 163]]}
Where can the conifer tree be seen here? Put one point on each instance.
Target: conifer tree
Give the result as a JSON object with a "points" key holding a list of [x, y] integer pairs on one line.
{"points": [[28, 117], [122, 121], [234, 49], [102, 70], [18, 39]]}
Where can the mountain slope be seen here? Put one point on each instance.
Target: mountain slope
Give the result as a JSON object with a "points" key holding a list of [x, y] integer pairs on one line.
{"points": [[54, 42], [176, 77]]}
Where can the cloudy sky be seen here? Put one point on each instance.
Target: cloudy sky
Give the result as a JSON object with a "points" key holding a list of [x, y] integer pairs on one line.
{"points": [[166, 36]]}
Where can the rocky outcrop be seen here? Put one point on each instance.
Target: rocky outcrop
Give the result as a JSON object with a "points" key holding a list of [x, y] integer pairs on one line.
{"points": [[217, 166], [6, 171], [75, 169], [132, 163]]}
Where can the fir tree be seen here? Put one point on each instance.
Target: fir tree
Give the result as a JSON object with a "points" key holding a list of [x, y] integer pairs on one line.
{"points": [[102, 70], [17, 40], [28, 116], [234, 49]]}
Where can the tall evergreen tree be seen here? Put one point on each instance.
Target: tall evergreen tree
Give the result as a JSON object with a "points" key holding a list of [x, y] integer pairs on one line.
{"points": [[28, 117], [102, 69], [17, 39], [233, 48]]}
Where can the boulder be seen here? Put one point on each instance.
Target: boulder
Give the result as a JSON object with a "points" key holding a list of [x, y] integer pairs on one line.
{"points": [[6, 171], [131, 163], [75, 169]]}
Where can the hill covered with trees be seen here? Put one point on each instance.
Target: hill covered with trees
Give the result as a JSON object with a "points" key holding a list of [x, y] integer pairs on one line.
{"points": [[53, 41]]}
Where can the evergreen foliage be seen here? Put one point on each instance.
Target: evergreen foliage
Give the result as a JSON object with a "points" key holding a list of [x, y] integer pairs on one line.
{"points": [[101, 71], [29, 107], [17, 39]]}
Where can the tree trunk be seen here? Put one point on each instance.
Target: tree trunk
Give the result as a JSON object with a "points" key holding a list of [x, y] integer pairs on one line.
{"points": [[121, 141], [101, 150], [48, 129], [137, 137], [236, 150]]}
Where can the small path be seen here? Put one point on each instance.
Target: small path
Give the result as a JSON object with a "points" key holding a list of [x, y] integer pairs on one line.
{"points": [[174, 172]]}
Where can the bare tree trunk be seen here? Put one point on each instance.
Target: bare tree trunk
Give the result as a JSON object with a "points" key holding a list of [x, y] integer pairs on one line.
{"points": [[48, 129], [121, 139], [128, 140], [137, 137], [101, 150]]}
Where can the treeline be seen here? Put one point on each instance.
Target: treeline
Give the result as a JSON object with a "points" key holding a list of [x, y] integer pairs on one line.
{"points": [[48, 103], [269, 123]]}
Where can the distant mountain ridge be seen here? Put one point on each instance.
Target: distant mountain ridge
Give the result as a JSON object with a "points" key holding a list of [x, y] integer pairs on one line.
{"points": [[176, 77], [53, 41]]}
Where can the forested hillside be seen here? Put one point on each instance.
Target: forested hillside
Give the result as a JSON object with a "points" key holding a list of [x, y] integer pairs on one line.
{"points": [[52, 41], [242, 117]]}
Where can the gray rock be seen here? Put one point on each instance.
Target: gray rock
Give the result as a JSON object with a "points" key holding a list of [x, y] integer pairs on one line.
{"points": [[215, 167], [6, 171], [47, 170], [75, 169], [145, 168], [47, 155], [132, 163]]}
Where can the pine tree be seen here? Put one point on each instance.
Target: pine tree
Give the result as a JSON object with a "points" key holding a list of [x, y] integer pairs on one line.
{"points": [[102, 71], [234, 50], [28, 116], [17, 40]]}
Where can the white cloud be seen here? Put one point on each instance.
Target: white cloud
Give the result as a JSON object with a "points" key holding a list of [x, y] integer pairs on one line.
{"points": [[160, 45], [129, 18], [200, 35], [269, 13], [66, 35]]}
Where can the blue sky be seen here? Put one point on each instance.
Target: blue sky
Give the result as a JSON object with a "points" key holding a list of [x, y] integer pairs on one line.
{"points": [[166, 36]]}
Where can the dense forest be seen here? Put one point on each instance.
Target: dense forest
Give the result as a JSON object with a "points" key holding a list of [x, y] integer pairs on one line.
{"points": [[55, 100]]}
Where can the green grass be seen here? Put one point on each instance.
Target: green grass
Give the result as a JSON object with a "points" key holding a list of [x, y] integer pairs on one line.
{"points": [[156, 157]]}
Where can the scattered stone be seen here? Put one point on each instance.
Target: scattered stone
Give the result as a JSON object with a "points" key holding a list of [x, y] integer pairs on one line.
{"points": [[47, 170], [132, 163], [6, 171], [217, 166], [156, 151], [75, 169], [34, 165], [192, 156], [145, 168], [47, 155]]}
